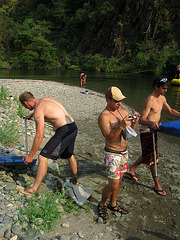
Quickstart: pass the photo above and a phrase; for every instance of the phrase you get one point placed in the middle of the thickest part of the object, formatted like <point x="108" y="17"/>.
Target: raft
<point x="175" y="82"/>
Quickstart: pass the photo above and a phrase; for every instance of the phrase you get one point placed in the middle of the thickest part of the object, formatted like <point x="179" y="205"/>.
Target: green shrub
<point x="44" y="210"/>
<point x="8" y="132"/>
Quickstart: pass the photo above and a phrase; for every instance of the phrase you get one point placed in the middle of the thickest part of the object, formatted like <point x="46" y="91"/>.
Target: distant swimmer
<point x="83" y="77"/>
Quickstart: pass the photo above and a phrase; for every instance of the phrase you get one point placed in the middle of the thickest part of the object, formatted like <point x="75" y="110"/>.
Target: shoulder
<point x="105" y="114"/>
<point x="149" y="100"/>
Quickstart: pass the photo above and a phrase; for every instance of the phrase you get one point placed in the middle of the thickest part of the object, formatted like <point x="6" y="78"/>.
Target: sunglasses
<point x="163" y="80"/>
<point x="116" y="101"/>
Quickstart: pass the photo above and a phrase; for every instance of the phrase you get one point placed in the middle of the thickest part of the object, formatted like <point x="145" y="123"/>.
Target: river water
<point x="136" y="87"/>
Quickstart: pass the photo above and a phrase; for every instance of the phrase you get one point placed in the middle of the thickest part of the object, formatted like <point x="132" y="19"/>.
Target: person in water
<point x="83" y="77"/>
<point x="112" y="121"/>
<point x="47" y="109"/>
<point x="151" y="114"/>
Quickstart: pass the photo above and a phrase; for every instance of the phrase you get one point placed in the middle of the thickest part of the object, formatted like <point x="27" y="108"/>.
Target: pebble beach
<point x="150" y="216"/>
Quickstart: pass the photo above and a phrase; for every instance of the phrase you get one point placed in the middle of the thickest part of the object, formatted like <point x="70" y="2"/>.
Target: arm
<point x="170" y="111"/>
<point x="39" y="120"/>
<point x="29" y="116"/>
<point x="135" y="121"/>
<point x="143" y="120"/>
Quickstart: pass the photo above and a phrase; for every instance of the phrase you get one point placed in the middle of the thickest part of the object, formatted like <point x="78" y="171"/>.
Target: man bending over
<point x="49" y="110"/>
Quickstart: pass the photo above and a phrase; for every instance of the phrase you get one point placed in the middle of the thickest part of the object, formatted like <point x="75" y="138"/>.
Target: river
<point x="136" y="87"/>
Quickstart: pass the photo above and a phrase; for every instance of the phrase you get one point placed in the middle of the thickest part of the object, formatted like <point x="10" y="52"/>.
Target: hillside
<point x="94" y="35"/>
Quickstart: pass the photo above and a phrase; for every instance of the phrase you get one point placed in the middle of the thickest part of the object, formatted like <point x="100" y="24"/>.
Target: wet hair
<point x="26" y="96"/>
<point x="160" y="81"/>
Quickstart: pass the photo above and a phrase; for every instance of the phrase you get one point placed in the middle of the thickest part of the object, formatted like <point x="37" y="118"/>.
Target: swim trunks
<point x="147" y="147"/>
<point x="116" y="163"/>
<point x="62" y="143"/>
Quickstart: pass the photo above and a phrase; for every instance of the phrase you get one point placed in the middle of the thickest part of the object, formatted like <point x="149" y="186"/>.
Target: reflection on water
<point x="136" y="87"/>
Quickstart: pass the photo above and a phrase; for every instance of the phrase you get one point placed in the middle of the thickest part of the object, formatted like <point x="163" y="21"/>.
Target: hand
<point x="134" y="117"/>
<point x="28" y="159"/>
<point x="125" y="122"/>
<point x="155" y="126"/>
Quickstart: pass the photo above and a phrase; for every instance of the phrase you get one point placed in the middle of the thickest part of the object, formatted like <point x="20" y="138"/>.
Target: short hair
<point x="160" y="81"/>
<point x="26" y="96"/>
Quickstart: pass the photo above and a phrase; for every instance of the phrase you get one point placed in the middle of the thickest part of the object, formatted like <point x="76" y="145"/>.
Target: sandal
<point x="102" y="210"/>
<point x="117" y="208"/>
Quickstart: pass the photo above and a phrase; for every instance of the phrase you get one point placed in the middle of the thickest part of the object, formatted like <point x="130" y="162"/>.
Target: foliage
<point x="4" y="93"/>
<point x="8" y="132"/>
<point x="21" y="111"/>
<point x="92" y="35"/>
<point x="43" y="211"/>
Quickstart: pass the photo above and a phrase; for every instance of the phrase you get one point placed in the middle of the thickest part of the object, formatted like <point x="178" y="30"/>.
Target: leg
<point x="73" y="167"/>
<point x="41" y="172"/>
<point x="111" y="190"/>
<point x="157" y="187"/>
<point x="133" y="167"/>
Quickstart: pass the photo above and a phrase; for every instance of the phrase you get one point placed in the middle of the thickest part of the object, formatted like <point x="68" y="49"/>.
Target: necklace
<point x="115" y="115"/>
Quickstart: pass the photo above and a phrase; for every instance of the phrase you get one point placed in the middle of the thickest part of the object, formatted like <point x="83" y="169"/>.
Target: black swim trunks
<point x="62" y="143"/>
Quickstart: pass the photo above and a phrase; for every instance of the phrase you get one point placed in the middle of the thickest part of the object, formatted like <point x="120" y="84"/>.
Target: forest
<point x="110" y="36"/>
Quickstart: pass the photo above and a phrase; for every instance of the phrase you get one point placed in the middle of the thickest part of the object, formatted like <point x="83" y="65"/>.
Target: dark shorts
<point x="62" y="143"/>
<point x="147" y="147"/>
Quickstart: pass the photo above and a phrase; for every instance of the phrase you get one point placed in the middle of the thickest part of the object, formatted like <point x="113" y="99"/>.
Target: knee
<point x="42" y="159"/>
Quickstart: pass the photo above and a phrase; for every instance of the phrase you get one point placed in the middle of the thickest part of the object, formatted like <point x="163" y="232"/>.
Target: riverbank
<point x="150" y="216"/>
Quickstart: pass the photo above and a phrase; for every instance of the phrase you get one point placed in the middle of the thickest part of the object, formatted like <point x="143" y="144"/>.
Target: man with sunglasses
<point x="150" y="116"/>
<point x="112" y="121"/>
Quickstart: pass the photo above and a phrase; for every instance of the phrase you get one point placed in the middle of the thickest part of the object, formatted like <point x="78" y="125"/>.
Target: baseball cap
<point x="114" y="93"/>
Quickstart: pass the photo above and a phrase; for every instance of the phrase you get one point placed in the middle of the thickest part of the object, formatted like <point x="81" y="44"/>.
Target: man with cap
<point x="112" y="121"/>
<point x="150" y="116"/>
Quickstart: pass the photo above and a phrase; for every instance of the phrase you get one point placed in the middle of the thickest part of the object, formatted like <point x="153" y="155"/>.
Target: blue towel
<point x="170" y="128"/>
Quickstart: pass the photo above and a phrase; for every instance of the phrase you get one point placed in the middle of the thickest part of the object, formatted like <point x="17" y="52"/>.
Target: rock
<point x="64" y="237"/>
<point x="65" y="225"/>
<point x="100" y="220"/>
<point x="7" y="233"/>
<point x="15" y="237"/>
<point x="80" y="234"/>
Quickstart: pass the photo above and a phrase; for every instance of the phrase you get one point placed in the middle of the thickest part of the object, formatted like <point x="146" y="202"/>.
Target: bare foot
<point x="24" y="191"/>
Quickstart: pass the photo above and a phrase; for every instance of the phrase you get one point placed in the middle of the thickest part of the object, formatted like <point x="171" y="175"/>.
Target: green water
<point x="136" y="87"/>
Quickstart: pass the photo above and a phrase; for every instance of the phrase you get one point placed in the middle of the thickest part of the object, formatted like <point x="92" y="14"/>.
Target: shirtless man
<point x="178" y="72"/>
<point x="112" y="122"/>
<point x="47" y="109"/>
<point x="83" y="77"/>
<point x="150" y="116"/>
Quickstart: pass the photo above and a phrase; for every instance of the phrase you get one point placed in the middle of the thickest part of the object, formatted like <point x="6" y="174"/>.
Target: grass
<point x="9" y="128"/>
<point x="8" y="132"/>
<point x="42" y="212"/>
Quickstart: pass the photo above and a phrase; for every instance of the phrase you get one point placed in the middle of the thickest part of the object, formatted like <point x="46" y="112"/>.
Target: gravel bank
<point x="150" y="216"/>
